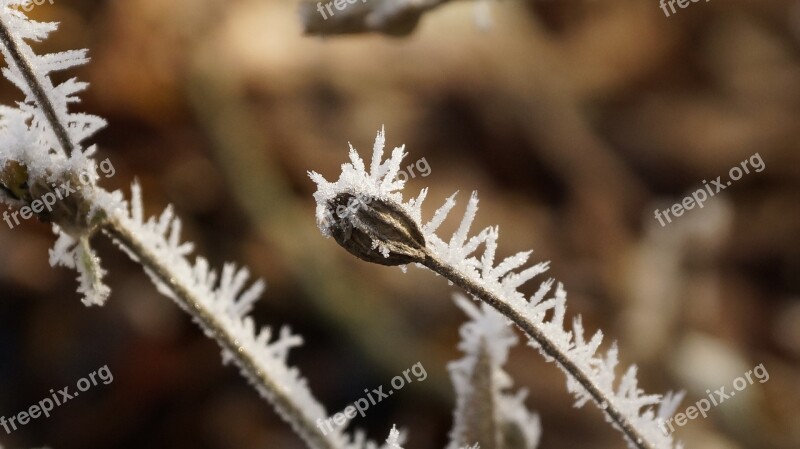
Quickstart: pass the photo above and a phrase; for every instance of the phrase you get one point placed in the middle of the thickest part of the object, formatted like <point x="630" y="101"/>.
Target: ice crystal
<point x="480" y="383"/>
<point x="27" y="135"/>
<point x="225" y="299"/>
<point x="50" y="154"/>
<point x="503" y="279"/>
<point x="45" y="141"/>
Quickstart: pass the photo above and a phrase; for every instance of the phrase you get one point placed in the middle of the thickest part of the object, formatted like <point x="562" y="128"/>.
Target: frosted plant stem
<point x="280" y="399"/>
<point x="547" y="346"/>
<point x="37" y="89"/>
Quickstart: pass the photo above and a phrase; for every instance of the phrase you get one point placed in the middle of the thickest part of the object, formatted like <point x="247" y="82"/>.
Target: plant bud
<point x="375" y="230"/>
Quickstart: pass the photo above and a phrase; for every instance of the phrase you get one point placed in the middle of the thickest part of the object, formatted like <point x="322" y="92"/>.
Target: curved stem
<point x="36" y="88"/>
<point x="547" y="345"/>
<point x="182" y="294"/>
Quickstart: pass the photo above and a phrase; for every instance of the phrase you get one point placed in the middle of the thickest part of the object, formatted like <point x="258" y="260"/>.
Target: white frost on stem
<point x="219" y="304"/>
<point x="43" y="136"/>
<point x="485" y="341"/>
<point x="42" y="142"/>
<point x="56" y="132"/>
<point x="590" y="374"/>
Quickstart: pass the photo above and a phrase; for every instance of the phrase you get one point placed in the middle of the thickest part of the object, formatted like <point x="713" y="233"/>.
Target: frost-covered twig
<point x="386" y="230"/>
<point x="22" y="61"/>
<point x="220" y="307"/>
<point x="485" y="414"/>
<point x="40" y="146"/>
<point x="220" y="304"/>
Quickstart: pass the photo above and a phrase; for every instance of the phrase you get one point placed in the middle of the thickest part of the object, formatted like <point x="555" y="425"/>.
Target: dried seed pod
<point x="375" y="230"/>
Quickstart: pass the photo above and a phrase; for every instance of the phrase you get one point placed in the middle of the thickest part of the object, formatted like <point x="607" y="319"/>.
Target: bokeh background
<point x="574" y="119"/>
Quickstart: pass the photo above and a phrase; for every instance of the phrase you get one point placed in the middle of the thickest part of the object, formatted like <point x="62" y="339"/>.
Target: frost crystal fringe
<point x="220" y="304"/>
<point x="40" y="144"/>
<point x="45" y="138"/>
<point x="381" y="216"/>
<point x="479" y="382"/>
<point x="57" y="132"/>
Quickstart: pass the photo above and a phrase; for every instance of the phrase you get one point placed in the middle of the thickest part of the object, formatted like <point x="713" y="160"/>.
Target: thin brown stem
<point x="536" y="334"/>
<point x="39" y="94"/>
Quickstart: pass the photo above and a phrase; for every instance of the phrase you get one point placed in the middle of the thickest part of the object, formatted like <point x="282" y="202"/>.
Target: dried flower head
<point x="364" y="212"/>
<point x="375" y="230"/>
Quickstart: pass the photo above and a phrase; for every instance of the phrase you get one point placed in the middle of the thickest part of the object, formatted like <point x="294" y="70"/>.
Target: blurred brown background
<point x="573" y="119"/>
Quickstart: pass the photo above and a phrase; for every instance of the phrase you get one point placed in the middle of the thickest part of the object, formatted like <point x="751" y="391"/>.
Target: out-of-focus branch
<point x="391" y="17"/>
